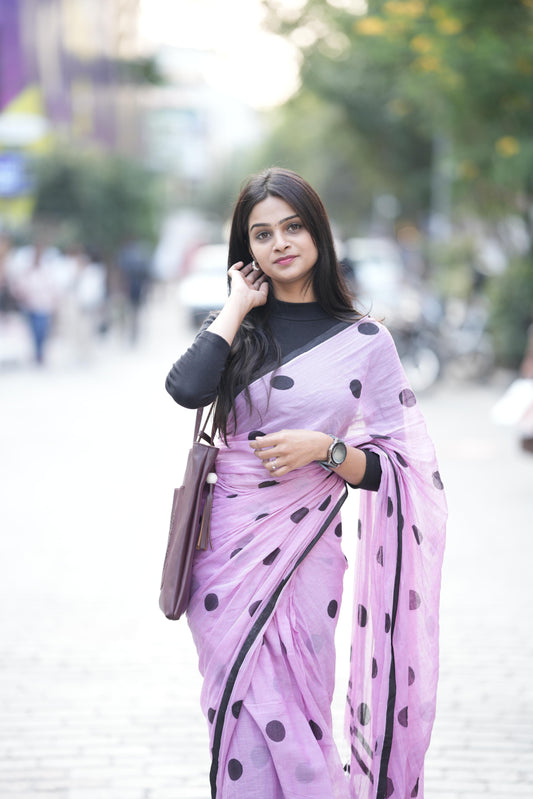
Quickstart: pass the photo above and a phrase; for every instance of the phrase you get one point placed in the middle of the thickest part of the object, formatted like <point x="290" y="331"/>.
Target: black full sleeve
<point x="194" y="379"/>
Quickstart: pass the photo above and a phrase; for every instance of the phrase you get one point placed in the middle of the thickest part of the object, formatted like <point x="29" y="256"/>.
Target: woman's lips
<point x="287" y="259"/>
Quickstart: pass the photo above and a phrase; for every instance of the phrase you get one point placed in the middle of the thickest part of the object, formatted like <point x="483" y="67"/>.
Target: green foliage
<point x="95" y="200"/>
<point x="511" y="296"/>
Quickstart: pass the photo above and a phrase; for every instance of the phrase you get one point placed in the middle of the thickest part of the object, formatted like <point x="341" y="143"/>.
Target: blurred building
<point x="62" y="80"/>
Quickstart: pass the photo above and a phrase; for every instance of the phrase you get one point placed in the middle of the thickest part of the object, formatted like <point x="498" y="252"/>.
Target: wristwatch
<point x="336" y="453"/>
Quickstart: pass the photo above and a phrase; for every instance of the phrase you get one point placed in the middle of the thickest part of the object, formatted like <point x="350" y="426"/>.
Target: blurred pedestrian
<point x="134" y="262"/>
<point x="311" y="397"/>
<point x="37" y="286"/>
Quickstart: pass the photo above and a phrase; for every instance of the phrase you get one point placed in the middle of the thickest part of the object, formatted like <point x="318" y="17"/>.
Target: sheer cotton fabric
<point x="265" y="599"/>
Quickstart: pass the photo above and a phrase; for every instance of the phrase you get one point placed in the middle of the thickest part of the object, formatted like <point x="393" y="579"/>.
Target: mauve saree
<point x="266" y="597"/>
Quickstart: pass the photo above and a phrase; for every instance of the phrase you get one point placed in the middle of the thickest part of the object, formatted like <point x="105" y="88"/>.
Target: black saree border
<point x="252" y="636"/>
<point x="391" y="699"/>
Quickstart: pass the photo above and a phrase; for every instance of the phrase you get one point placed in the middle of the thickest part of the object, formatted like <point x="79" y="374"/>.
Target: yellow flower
<point x="407" y="8"/>
<point x="449" y="25"/>
<point x="370" y="26"/>
<point x="421" y="44"/>
<point x="507" y="146"/>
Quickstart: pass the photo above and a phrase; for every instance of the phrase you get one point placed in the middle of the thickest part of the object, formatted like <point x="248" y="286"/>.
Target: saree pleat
<point x="266" y="597"/>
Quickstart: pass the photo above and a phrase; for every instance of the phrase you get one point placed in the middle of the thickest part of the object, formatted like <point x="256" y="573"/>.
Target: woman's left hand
<point x="287" y="450"/>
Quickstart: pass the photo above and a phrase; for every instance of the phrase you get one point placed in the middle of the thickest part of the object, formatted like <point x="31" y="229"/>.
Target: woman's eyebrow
<point x="281" y="221"/>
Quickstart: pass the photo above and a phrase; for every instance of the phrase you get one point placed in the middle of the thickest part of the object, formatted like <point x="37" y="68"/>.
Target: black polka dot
<point x="235" y="552"/>
<point x="325" y="504"/>
<point x="410" y="676"/>
<point x="387" y="623"/>
<point x="338" y="530"/>
<point x="437" y="482"/>
<point x="356" y="387"/>
<point x="269" y="560"/>
<point x="275" y="731"/>
<point x="261" y="516"/>
<point x="379" y="435"/>
<point x="231" y="496"/>
<point x="268" y="483"/>
<point x="402" y="717"/>
<point x="368" y="329"/>
<point x="282" y="382"/>
<point x="407" y="398"/>
<point x="332" y="608"/>
<point x="211" y="602"/>
<point x="253" y="434"/>
<point x="304" y="772"/>
<point x="236" y="708"/>
<point x="390" y="507"/>
<point x="363" y="714"/>
<point x="211" y="713"/>
<point x="359" y="529"/>
<point x="379" y="556"/>
<point x="401" y="460"/>
<point x="253" y="607"/>
<point x="374" y="668"/>
<point x="414" y="600"/>
<point x="234" y="769"/>
<point x="299" y="514"/>
<point x="414" y="792"/>
<point x="389" y="789"/>
<point x="317" y="732"/>
<point x="418" y="535"/>
<point x="362" y="616"/>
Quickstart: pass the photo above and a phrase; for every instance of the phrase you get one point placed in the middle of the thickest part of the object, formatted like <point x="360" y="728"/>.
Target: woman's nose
<point x="279" y="240"/>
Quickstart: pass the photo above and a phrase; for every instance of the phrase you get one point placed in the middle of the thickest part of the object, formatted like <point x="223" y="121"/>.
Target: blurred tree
<point x="95" y="200"/>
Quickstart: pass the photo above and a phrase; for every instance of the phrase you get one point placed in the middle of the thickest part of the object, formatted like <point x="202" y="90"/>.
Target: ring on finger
<point x="274" y="467"/>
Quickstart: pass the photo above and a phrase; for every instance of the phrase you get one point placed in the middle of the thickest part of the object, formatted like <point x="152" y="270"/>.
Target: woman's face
<point x="283" y="248"/>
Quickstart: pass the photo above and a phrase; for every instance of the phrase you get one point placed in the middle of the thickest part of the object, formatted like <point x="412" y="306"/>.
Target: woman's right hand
<point x="249" y="289"/>
<point x="248" y="285"/>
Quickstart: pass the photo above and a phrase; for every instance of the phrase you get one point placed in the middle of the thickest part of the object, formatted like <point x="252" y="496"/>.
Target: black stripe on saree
<point x="252" y="637"/>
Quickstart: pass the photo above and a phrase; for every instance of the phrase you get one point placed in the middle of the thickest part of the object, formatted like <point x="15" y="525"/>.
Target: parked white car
<point x="205" y="287"/>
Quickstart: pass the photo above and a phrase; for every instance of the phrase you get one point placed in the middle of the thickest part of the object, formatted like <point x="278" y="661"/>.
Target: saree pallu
<point x="265" y="598"/>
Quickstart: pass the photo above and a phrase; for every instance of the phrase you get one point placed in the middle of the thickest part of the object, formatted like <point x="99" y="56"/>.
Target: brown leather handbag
<point x="189" y="521"/>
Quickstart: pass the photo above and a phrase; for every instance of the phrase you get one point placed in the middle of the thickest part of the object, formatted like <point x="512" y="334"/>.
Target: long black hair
<point x="254" y="344"/>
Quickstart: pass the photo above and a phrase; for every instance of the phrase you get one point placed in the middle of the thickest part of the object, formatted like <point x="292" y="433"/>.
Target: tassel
<point x="204" y="538"/>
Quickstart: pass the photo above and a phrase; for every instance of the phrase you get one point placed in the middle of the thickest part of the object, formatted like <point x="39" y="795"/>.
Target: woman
<point x="310" y="397"/>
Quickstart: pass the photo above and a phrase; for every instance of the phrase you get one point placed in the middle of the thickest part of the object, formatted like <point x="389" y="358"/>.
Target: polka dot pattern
<point x="211" y="602"/>
<point x="235" y="769"/>
<point x="356" y="387"/>
<point x="269" y="560"/>
<point x="417" y="534"/>
<point x="387" y="622"/>
<point x="410" y="676"/>
<point x="332" y="608"/>
<point x="261" y="516"/>
<point x="282" y="382"/>
<point x="407" y="398"/>
<point x="338" y="530"/>
<point x="401" y="460"/>
<point x="374" y="668"/>
<point x="414" y="600"/>
<point x="363" y="714"/>
<point x="368" y="329"/>
<point x="211" y="713"/>
<point x="275" y="731"/>
<point x="389" y="789"/>
<point x="325" y="504"/>
<point x="379" y="556"/>
<point x="437" y="482"/>
<point x="236" y="708"/>
<point x="403" y="717"/>
<point x="299" y="514"/>
<point x="268" y="483"/>
<point x="253" y="607"/>
<point x="390" y="507"/>
<point x="235" y="552"/>
<point x="253" y="434"/>
<point x="414" y="792"/>
<point x="362" y="616"/>
<point x="359" y="529"/>
<point x="317" y="732"/>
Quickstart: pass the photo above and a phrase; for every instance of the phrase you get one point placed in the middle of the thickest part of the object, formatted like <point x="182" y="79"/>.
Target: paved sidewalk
<point x="99" y="694"/>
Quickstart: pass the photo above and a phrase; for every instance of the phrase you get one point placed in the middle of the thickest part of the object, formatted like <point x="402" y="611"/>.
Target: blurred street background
<point x="126" y="129"/>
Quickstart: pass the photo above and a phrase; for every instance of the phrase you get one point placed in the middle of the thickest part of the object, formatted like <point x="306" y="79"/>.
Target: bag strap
<point x="199" y="428"/>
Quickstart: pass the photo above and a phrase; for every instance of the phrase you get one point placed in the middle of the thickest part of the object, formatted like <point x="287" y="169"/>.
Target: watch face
<point x="338" y="453"/>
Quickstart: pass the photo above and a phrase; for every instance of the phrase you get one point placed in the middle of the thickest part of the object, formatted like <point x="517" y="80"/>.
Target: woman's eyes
<point x="293" y="227"/>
